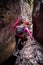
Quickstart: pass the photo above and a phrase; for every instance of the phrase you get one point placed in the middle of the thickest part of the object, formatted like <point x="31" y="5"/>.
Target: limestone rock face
<point x="38" y="20"/>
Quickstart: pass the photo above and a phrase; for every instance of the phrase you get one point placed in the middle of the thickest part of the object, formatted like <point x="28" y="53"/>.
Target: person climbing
<point x="19" y="33"/>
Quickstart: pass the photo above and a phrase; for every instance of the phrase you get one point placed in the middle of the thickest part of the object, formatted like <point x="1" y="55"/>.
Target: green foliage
<point x="31" y="3"/>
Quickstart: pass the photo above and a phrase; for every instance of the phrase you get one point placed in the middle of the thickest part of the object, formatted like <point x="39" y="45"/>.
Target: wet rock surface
<point x="31" y="54"/>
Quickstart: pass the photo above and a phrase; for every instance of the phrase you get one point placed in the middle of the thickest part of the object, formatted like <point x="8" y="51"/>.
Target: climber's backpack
<point x="20" y="30"/>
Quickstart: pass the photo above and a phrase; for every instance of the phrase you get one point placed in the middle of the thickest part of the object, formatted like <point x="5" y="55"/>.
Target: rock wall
<point x="38" y="20"/>
<point x="9" y="12"/>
